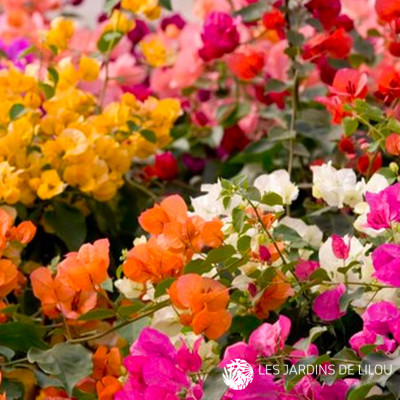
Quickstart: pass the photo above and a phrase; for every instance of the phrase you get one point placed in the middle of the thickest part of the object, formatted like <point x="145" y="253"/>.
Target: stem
<point x="119" y="326"/>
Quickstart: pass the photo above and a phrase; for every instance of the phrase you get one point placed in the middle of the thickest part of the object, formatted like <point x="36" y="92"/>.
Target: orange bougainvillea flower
<point x="2" y="395"/>
<point x="106" y="362"/>
<point x="56" y="295"/>
<point x="8" y="277"/>
<point x="274" y="296"/>
<point x="205" y="301"/>
<point x="151" y="262"/>
<point x="107" y="387"/>
<point x="87" y="268"/>
<point x="3" y="317"/>
<point x="22" y="233"/>
<point x="177" y="230"/>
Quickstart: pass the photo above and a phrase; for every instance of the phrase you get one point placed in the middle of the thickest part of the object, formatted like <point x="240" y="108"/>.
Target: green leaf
<point x="110" y="4"/>
<point x="382" y="360"/>
<point x="214" y="387"/>
<point x="97" y="314"/>
<point x="295" y="38"/>
<point x="198" y="267"/>
<point x="162" y="287"/>
<point x="67" y="362"/>
<point x="21" y="336"/>
<point x="350" y="125"/>
<point x="243" y="244"/>
<point x="166" y="4"/>
<point x="275" y="85"/>
<point x="16" y="111"/>
<point x="54" y="76"/>
<point x="150" y="136"/>
<point x="348" y="297"/>
<point x="252" y="12"/>
<point x="126" y="311"/>
<point x="238" y="219"/>
<point x="278" y="133"/>
<point x="68" y="223"/>
<point x="229" y="114"/>
<point x="220" y="254"/>
<point x="132" y="126"/>
<point x="7" y="352"/>
<point x="109" y="40"/>
<point x="272" y="199"/>
<point x="359" y="392"/>
<point x="48" y="90"/>
<point x="315" y="332"/>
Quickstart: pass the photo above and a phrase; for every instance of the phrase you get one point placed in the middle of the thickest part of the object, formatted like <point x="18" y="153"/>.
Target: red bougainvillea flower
<point x="164" y="168"/>
<point x="234" y="139"/>
<point x="326" y="11"/>
<point x="350" y="84"/>
<point x="205" y="301"/>
<point x="220" y="36"/>
<point x="246" y="65"/>
<point x="388" y="85"/>
<point x="337" y="44"/>
<point x="368" y="164"/>
<point x="275" y="21"/>
<point x="392" y="144"/>
<point x="335" y="107"/>
<point x="269" y="98"/>
<point x="346" y="145"/>
<point x="387" y="10"/>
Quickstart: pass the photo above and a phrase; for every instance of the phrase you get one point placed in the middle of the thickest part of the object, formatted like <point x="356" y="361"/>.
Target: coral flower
<point x="392" y="144"/>
<point x="350" y="84"/>
<point x="387" y="10"/>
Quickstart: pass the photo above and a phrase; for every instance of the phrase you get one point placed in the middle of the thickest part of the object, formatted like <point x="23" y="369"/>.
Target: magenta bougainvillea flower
<point x="384" y="207"/>
<point x="326" y="305"/>
<point x="157" y="370"/>
<point x="386" y="261"/>
<point x="220" y="36"/>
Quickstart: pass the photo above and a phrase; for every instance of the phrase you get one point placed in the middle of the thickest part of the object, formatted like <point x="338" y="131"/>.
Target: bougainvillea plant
<point x="182" y="194"/>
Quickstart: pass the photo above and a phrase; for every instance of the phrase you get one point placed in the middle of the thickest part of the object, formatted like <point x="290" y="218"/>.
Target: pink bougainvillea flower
<point x="327" y="306"/>
<point x="305" y="268"/>
<point x="340" y="249"/>
<point x="366" y="337"/>
<point x="220" y="36"/>
<point x="268" y="338"/>
<point x="386" y="261"/>
<point x="380" y="317"/>
<point x="384" y="207"/>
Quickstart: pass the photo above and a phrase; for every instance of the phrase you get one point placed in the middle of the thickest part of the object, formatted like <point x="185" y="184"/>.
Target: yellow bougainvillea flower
<point x="9" y="183"/>
<point x="48" y="185"/>
<point x="149" y="8"/>
<point x="89" y="69"/>
<point x="61" y="31"/>
<point x="119" y="22"/>
<point x="154" y="51"/>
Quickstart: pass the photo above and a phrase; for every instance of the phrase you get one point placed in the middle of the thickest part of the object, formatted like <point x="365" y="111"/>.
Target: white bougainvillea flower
<point x="336" y="187"/>
<point x="278" y="182"/>
<point x="309" y="233"/>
